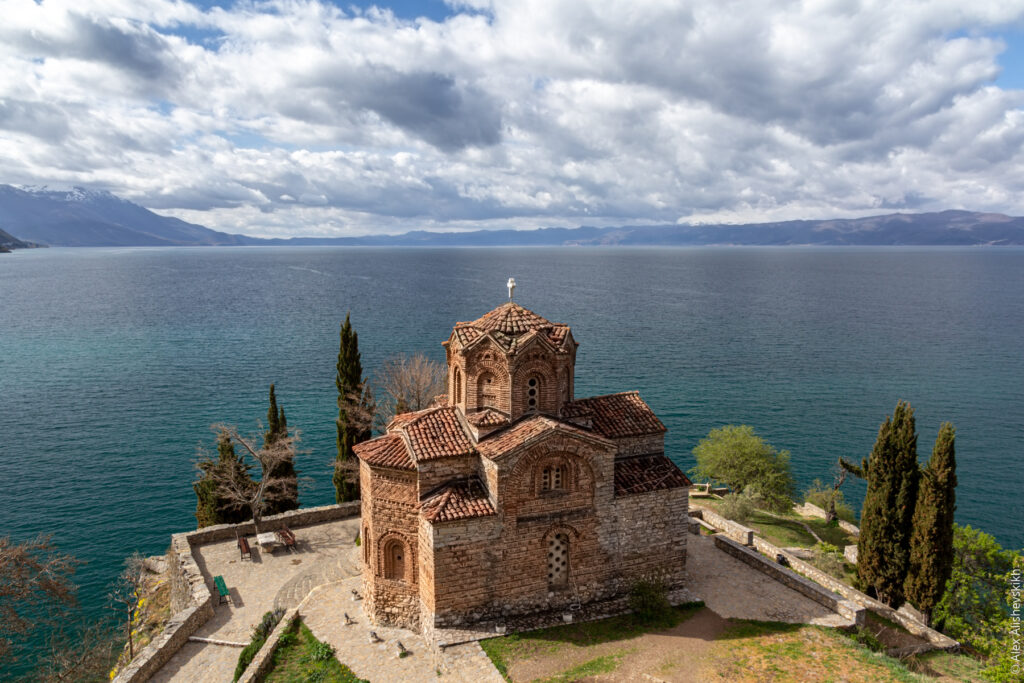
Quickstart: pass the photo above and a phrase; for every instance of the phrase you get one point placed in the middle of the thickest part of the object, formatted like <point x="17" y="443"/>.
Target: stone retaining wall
<point x="812" y="510"/>
<point x="192" y="603"/>
<point x="292" y="518"/>
<point x="937" y="640"/>
<point x="191" y="592"/>
<point x="737" y="532"/>
<point x="820" y="595"/>
<point x="260" y="664"/>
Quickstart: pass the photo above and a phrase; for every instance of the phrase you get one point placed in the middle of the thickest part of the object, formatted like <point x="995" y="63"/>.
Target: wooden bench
<point x="243" y="548"/>
<point x="287" y="538"/>
<point x="222" y="589"/>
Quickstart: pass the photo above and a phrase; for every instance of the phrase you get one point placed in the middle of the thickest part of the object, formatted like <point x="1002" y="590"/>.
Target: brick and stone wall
<point x="390" y="519"/>
<point x="651" y="530"/>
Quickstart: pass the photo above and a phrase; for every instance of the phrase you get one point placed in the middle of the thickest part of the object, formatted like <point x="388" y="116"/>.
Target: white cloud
<point x="297" y="117"/>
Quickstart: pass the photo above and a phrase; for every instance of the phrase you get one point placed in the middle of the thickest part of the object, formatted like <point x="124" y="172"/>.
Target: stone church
<point x="512" y="497"/>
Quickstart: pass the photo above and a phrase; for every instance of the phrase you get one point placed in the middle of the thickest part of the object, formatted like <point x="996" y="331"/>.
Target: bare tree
<point x="838" y="481"/>
<point x="83" y="654"/>
<point x="257" y="495"/>
<point x="126" y="593"/>
<point x="408" y="383"/>
<point x="35" y="589"/>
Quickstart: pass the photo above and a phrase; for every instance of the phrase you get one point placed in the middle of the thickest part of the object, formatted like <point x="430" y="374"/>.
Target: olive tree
<point x="737" y="457"/>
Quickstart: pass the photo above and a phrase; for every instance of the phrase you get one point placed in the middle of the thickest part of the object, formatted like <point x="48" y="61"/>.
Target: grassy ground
<point x="301" y="658"/>
<point x="555" y="641"/>
<point x="740" y="651"/>
<point x="957" y="667"/>
<point x="786" y="530"/>
<point x="757" y="651"/>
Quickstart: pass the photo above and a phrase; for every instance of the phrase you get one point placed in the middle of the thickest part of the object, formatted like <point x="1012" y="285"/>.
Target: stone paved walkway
<point x="323" y="612"/>
<point x="325" y="552"/>
<point x="735" y="590"/>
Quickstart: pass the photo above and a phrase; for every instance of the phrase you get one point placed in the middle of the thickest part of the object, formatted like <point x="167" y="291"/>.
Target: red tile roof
<point x="385" y="451"/>
<point x="616" y="415"/>
<point x="488" y="417"/>
<point x="522" y="432"/>
<point x="437" y="433"/>
<point x="457" y="500"/>
<point x="647" y="473"/>
<point x="508" y="323"/>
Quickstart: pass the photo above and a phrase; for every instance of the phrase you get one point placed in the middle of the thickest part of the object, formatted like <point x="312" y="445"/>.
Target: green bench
<point x="222" y="589"/>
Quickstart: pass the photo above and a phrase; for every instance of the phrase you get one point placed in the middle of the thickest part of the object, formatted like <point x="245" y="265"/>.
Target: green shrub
<point x="829" y="559"/>
<point x="649" y="601"/>
<point x="248" y="653"/>
<point x="321" y="652"/>
<point x="260" y="633"/>
<point x="867" y="639"/>
<point x="739" y="507"/>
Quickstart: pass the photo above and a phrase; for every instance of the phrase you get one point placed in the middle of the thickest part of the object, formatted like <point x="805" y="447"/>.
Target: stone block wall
<point x="737" y="532"/>
<point x="390" y="514"/>
<point x="810" y="589"/>
<point x="433" y="473"/>
<point x="650" y="532"/>
<point x="938" y="640"/>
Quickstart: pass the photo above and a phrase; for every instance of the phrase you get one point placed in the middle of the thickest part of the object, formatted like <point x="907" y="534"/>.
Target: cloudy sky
<point x="303" y="117"/>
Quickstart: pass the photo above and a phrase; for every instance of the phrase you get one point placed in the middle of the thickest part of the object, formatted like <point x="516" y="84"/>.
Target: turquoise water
<point x="114" y="362"/>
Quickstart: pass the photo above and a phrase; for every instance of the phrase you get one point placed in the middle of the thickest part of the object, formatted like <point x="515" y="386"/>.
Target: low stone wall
<point x="851" y="529"/>
<point x="805" y="587"/>
<point x="812" y="510"/>
<point x="938" y="640"/>
<point x="292" y="518"/>
<point x="260" y="664"/>
<point x="191" y="596"/>
<point x="737" y="532"/>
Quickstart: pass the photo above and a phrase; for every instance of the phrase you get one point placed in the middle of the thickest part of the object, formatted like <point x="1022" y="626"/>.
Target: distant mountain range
<point x="84" y="218"/>
<point x="9" y="242"/>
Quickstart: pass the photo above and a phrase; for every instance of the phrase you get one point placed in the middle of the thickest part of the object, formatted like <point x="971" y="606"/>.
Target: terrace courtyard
<point x="321" y="575"/>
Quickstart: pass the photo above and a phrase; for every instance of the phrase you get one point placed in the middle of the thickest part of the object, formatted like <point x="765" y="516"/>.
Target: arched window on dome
<point x="486" y="391"/>
<point x="534" y="387"/>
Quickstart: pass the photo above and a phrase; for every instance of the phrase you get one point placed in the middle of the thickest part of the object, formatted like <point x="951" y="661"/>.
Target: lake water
<point x="114" y="362"/>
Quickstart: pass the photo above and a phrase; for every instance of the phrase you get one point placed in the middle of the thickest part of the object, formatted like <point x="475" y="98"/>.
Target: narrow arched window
<point x="457" y="381"/>
<point x="486" y="391"/>
<point x="365" y="540"/>
<point x="532" y="394"/>
<point x="394" y="560"/>
<point x="558" y="560"/>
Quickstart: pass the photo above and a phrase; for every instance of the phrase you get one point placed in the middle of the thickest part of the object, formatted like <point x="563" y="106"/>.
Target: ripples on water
<point x="114" y="362"/>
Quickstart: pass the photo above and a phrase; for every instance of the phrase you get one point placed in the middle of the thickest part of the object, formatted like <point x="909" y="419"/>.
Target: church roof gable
<point x="527" y="432"/>
<point x="616" y="416"/>
<point x="457" y="500"/>
<point x="437" y="433"/>
<point x="386" y="451"/>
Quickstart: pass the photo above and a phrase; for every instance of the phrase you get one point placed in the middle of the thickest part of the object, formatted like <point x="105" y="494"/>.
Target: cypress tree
<point x="355" y="406"/>
<point x="273" y="420"/>
<point x="931" y="543"/>
<point x="288" y="493"/>
<point x="211" y="506"/>
<point x="883" y="550"/>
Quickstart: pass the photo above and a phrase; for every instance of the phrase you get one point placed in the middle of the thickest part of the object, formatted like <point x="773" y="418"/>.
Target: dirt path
<point x="673" y="655"/>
